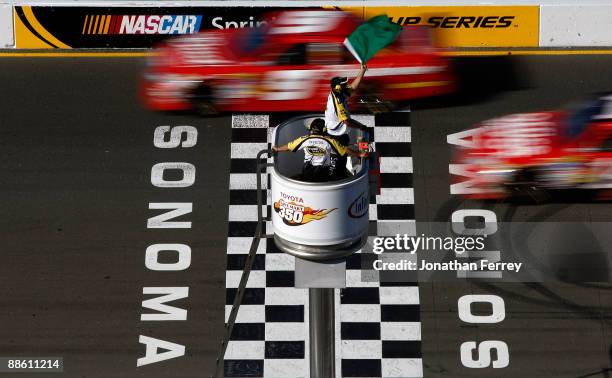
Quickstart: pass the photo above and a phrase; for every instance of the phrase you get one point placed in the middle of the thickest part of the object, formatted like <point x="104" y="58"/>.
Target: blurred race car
<point x="529" y="155"/>
<point x="285" y="64"/>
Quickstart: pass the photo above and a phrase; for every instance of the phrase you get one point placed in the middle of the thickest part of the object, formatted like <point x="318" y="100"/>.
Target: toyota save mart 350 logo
<point x="141" y="24"/>
<point x="294" y="213"/>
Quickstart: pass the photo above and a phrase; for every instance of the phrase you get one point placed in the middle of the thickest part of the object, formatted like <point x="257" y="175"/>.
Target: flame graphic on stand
<point x="310" y="214"/>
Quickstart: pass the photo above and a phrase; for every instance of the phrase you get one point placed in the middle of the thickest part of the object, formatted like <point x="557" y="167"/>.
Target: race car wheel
<point x="203" y="101"/>
<point x="526" y="188"/>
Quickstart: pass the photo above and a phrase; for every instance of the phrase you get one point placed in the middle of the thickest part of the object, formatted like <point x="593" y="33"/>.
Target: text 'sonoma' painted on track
<point x="156" y="298"/>
<point x="477" y="354"/>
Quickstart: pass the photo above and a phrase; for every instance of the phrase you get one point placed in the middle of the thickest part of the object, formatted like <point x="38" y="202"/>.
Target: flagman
<point x="337" y="114"/>
<point x="364" y="42"/>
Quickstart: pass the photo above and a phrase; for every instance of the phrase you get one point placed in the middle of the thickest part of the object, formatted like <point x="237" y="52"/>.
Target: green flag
<point x="372" y="36"/>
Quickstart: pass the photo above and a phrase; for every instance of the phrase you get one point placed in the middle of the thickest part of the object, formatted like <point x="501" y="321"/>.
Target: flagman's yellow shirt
<point x="317" y="148"/>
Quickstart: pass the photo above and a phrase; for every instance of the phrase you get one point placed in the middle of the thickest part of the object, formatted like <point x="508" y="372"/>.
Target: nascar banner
<point x="122" y="27"/>
<point x="141" y="27"/>
<point x="470" y="26"/>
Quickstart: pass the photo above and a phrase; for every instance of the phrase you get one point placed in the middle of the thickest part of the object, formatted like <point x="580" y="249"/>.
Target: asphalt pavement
<point x="77" y="152"/>
<point x="551" y="329"/>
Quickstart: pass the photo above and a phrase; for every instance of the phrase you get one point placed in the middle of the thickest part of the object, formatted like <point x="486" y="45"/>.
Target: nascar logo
<point x="141" y="24"/>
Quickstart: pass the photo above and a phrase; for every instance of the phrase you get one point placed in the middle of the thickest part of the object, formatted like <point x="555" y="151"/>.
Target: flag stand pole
<point x="322" y="342"/>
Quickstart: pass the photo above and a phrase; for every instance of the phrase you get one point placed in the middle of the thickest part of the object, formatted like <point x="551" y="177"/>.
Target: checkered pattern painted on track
<point x="378" y="330"/>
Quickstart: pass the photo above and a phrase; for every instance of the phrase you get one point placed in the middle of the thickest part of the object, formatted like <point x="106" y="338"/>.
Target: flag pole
<point x="322" y="338"/>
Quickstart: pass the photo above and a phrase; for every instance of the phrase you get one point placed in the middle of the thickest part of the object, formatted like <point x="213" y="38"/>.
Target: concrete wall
<point x="7" y="38"/>
<point x="575" y="25"/>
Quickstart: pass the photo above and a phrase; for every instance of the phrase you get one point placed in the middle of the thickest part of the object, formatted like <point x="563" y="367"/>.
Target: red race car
<point x="530" y="155"/>
<point x="286" y="64"/>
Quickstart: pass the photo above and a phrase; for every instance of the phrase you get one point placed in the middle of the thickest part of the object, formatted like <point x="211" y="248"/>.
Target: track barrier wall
<point x="576" y="25"/>
<point x="7" y="37"/>
<point x="117" y="24"/>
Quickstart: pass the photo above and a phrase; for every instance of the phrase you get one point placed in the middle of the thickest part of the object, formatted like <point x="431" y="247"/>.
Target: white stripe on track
<point x="247" y="313"/>
<point x="285" y="296"/>
<point x="393" y="134"/>
<point x="286" y="367"/>
<point x="245" y="350"/>
<point x="246" y="150"/>
<point x="269" y="228"/>
<point x="360" y="313"/>
<point x="355" y="278"/>
<point x="402" y="367"/>
<point x="241" y="245"/>
<point x="402" y="331"/>
<point x="246" y="181"/>
<point x="257" y="278"/>
<point x="244" y="213"/>
<point x="249" y="121"/>
<point x="373" y="212"/>
<point x="365" y="119"/>
<point x="395" y="164"/>
<point x="399" y="294"/>
<point x="361" y="349"/>
<point x="280" y="261"/>
<point x="285" y="331"/>
<point x="395" y="196"/>
<point x="394" y="227"/>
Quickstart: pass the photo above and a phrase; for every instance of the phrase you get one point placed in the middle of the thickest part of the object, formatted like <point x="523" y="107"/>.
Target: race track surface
<point x="78" y="150"/>
<point x="551" y="329"/>
<point x="76" y="186"/>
